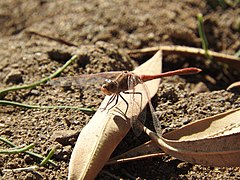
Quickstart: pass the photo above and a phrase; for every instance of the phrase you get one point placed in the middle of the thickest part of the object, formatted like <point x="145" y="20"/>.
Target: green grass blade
<point x="12" y="103"/>
<point x="27" y="152"/>
<point x="34" y="84"/>
<point x="203" y="35"/>
<point x="50" y="154"/>
<point x="17" y="150"/>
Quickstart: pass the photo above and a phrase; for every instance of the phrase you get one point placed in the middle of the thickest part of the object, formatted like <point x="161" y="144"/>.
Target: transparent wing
<point x="156" y="122"/>
<point x="83" y="80"/>
<point x="136" y="121"/>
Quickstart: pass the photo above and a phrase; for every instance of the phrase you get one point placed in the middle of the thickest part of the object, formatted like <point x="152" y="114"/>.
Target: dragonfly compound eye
<point x="108" y="87"/>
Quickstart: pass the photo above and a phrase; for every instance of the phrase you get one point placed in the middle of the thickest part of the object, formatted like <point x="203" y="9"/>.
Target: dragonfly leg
<point x="134" y="93"/>
<point x="110" y="101"/>
<point x="125" y="102"/>
<point x="115" y="97"/>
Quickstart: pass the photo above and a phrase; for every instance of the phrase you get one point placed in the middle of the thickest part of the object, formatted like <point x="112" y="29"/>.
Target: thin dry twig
<point x="110" y="174"/>
<point x="186" y="51"/>
<point x="123" y="160"/>
<point x="62" y="41"/>
<point x="28" y="169"/>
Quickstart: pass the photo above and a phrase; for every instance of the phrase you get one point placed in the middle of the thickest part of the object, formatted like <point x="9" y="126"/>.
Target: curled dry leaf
<point x="213" y="141"/>
<point x="104" y="132"/>
<point x="234" y="85"/>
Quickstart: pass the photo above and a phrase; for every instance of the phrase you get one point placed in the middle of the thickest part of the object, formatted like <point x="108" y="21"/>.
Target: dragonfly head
<point x="109" y="87"/>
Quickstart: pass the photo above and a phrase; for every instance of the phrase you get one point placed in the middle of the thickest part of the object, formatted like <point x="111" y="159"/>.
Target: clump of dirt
<point x="99" y="32"/>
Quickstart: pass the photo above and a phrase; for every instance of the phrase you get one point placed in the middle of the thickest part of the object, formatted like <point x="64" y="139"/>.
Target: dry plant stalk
<point x="188" y="51"/>
<point x="105" y="131"/>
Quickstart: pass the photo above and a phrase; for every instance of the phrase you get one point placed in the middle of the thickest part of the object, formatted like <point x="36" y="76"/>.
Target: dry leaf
<point x="146" y="150"/>
<point x="213" y="141"/>
<point x="234" y="85"/>
<point x="104" y="132"/>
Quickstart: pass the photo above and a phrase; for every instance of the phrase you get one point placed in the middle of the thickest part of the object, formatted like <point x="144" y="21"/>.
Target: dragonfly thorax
<point x="123" y="82"/>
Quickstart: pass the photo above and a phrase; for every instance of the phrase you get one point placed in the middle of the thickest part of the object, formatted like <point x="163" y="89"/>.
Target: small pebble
<point x="63" y="136"/>
<point x="186" y="120"/>
<point x="199" y="88"/>
<point x="183" y="165"/>
<point x="35" y="92"/>
<point x="29" y="176"/>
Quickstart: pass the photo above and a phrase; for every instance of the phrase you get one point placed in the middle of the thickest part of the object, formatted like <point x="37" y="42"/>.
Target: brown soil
<point x="100" y="32"/>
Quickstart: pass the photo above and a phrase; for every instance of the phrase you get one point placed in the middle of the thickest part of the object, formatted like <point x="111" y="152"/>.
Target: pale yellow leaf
<point x="104" y="132"/>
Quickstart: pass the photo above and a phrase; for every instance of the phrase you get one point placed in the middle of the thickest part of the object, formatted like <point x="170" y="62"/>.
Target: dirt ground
<point x="100" y="32"/>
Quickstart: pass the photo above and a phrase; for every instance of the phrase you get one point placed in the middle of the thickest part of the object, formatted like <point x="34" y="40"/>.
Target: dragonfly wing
<point x="156" y="122"/>
<point x="68" y="81"/>
<point x="136" y="121"/>
<point x="83" y="80"/>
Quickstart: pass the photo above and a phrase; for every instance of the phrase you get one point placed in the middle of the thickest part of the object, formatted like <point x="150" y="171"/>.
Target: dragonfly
<point x="117" y="82"/>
